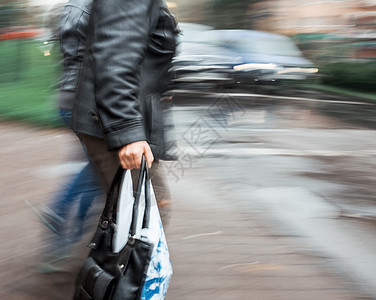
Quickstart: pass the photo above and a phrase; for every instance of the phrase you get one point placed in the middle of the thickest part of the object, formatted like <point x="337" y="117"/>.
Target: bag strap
<point x="143" y="181"/>
<point x="109" y="213"/>
<point x="145" y="223"/>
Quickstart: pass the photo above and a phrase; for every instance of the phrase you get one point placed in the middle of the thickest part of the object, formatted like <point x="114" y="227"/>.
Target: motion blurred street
<point x="273" y="198"/>
<point x="273" y="193"/>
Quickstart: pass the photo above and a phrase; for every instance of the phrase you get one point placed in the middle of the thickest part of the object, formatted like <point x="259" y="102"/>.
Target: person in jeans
<point x="84" y="186"/>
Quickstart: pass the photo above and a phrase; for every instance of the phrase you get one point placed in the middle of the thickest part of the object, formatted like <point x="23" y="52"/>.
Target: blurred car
<point x="193" y="69"/>
<point x="265" y="57"/>
<point x="199" y="64"/>
<point x="227" y="57"/>
<point x="188" y="31"/>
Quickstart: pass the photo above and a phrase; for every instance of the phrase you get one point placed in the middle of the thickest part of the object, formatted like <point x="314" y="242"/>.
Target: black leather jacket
<point x="73" y="33"/>
<point x="130" y="48"/>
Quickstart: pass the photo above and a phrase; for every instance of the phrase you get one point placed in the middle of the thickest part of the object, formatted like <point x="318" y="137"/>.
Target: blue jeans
<point x="83" y="187"/>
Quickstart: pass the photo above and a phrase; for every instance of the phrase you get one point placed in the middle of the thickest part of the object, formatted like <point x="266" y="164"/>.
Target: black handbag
<point x="107" y="275"/>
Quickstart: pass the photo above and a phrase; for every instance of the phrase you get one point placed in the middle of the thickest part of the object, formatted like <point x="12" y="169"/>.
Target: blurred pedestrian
<point x="118" y="112"/>
<point x="84" y="187"/>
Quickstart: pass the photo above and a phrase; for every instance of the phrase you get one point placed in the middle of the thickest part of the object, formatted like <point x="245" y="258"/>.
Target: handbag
<point x="109" y="275"/>
<point x="160" y="271"/>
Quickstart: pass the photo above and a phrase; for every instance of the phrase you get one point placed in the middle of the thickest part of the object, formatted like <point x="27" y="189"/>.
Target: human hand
<point x="131" y="154"/>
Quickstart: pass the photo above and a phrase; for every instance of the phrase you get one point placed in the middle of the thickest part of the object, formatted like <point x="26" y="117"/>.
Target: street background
<point x="273" y="194"/>
<point x="272" y="199"/>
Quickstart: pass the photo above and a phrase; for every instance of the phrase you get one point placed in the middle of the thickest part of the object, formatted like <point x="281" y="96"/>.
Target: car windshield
<point x="190" y="30"/>
<point x="280" y="46"/>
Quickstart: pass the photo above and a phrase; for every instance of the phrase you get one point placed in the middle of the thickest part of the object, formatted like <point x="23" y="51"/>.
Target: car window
<point x="280" y="46"/>
<point x="189" y="31"/>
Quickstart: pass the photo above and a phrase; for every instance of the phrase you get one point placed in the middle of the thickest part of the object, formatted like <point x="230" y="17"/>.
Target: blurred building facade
<point x="295" y="16"/>
<point x="332" y="29"/>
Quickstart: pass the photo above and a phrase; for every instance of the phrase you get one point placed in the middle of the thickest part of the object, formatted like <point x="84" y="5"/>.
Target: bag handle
<point x="144" y="179"/>
<point x="109" y="211"/>
<point x="112" y="196"/>
<point x="107" y="214"/>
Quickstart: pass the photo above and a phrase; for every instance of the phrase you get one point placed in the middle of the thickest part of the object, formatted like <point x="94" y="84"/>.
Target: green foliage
<point x="354" y="75"/>
<point x="28" y="82"/>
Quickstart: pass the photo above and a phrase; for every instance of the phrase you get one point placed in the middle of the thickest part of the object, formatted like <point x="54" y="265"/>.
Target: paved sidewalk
<point x="225" y="252"/>
<point x="218" y="250"/>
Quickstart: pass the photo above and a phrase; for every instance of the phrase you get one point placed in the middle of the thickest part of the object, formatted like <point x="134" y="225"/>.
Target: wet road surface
<point x="309" y="164"/>
<point x="268" y="190"/>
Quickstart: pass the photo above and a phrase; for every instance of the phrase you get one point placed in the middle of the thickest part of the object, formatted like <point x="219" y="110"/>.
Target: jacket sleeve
<point x="121" y="30"/>
<point x="73" y="31"/>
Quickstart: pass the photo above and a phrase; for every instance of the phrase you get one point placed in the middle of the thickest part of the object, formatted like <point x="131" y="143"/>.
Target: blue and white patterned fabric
<point x="159" y="272"/>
